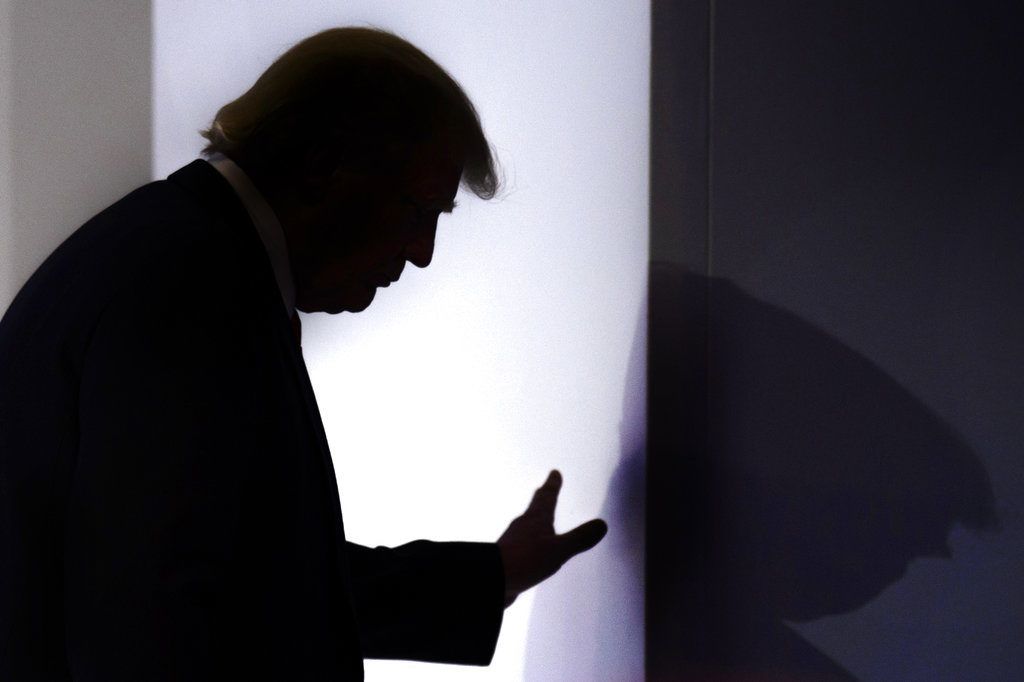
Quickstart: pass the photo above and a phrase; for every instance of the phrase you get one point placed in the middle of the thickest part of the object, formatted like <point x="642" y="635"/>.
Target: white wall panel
<point x="449" y="399"/>
<point x="74" y="121"/>
<point x="7" y="278"/>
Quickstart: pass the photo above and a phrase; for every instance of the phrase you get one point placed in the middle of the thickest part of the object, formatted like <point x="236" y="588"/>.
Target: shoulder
<point x="162" y="254"/>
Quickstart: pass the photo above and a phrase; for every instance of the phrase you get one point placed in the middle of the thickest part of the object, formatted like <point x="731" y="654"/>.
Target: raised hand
<point x="531" y="550"/>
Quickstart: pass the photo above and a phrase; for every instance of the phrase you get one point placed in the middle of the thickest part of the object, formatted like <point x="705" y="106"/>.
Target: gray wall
<point x="74" y="120"/>
<point x="837" y="344"/>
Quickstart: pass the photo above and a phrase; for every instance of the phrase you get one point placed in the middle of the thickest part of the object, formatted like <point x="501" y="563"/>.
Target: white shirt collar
<point x="267" y="225"/>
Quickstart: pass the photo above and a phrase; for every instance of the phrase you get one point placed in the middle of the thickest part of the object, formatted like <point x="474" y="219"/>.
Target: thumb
<point x="582" y="538"/>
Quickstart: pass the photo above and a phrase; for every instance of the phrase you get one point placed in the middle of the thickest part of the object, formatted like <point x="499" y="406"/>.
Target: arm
<point x="157" y="493"/>
<point x="443" y="602"/>
<point x="428" y="601"/>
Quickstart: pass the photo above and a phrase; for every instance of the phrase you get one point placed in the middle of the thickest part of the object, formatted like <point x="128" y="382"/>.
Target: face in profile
<point x="362" y="233"/>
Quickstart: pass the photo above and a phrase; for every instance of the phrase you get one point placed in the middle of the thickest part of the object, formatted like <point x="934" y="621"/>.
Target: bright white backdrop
<point x="448" y="400"/>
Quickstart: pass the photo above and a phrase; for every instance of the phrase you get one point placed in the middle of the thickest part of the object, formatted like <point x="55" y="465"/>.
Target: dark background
<point x="836" y="342"/>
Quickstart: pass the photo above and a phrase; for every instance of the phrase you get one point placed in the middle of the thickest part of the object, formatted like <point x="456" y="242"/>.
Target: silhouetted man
<point x="168" y="507"/>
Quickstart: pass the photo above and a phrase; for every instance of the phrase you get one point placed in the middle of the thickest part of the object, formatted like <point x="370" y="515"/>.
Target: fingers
<point x="582" y="538"/>
<point x="546" y="497"/>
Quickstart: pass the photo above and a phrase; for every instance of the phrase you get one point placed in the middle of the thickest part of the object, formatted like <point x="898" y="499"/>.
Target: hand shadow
<point x="587" y="623"/>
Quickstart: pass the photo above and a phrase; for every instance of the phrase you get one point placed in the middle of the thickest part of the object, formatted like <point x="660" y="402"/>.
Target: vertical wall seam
<point x="709" y="224"/>
<point x="710" y="142"/>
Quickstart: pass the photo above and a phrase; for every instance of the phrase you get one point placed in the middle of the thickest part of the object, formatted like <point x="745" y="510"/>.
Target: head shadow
<point x="790" y="478"/>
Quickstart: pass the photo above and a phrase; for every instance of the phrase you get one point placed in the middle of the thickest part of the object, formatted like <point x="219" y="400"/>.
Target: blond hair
<point x="364" y="94"/>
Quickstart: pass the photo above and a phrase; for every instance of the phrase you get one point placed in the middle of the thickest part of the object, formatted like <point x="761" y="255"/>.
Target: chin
<point x="352" y="302"/>
<point x="353" y="308"/>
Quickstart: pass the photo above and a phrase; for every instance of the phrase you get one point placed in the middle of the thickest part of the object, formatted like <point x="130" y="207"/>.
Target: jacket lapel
<point x="216" y="194"/>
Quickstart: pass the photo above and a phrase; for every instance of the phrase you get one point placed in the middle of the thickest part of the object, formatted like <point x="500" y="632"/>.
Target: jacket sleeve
<point x="440" y="602"/>
<point x="155" y="502"/>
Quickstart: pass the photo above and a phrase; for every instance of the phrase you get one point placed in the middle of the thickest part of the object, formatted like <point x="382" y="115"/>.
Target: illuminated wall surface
<point x="450" y="398"/>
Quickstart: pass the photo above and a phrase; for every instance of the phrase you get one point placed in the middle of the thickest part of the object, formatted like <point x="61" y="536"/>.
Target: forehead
<point x="435" y="169"/>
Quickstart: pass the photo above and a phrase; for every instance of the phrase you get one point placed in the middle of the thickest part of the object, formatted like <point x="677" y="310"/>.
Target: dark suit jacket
<point x="168" y="506"/>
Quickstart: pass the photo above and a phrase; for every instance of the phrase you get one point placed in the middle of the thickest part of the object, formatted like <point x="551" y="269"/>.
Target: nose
<point x="420" y="251"/>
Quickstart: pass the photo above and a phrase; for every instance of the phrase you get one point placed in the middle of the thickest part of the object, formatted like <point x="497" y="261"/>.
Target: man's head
<point x="358" y="141"/>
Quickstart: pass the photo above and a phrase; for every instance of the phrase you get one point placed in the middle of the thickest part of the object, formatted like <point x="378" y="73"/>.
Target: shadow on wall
<point x="790" y="479"/>
<point x="801" y="485"/>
